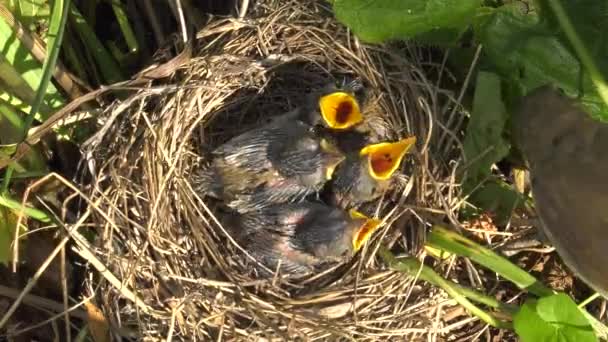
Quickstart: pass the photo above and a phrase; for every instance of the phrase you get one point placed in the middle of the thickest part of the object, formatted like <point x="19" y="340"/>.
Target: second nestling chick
<point x="300" y="236"/>
<point x="283" y="161"/>
<point x="364" y="176"/>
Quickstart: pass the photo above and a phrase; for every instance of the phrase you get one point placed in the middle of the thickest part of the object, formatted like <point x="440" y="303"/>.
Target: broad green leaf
<point x="484" y="146"/>
<point x="432" y="20"/>
<point x="590" y="20"/>
<point x="528" y="54"/>
<point x="552" y="318"/>
<point x="483" y="143"/>
<point x="57" y="23"/>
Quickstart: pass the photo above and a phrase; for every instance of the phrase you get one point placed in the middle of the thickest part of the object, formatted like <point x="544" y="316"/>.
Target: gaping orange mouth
<point x="365" y="231"/>
<point x="340" y="110"/>
<point x="384" y="158"/>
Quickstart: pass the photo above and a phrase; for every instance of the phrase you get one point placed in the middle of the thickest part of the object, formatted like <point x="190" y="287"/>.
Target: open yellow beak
<point x="384" y="158"/>
<point x="365" y="231"/>
<point x="340" y="110"/>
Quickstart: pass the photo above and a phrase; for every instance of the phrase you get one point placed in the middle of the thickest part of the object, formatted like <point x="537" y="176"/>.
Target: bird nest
<point x="172" y="269"/>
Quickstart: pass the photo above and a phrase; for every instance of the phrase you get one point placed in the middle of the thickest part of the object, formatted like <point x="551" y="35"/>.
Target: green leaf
<point x="552" y="318"/>
<point x="432" y="20"/>
<point x="22" y="68"/>
<point x="30" y="13"/>
<point x="526" y="53"/>
<point x="56" y="30"/>
<point x="483" y="142"/>
<point x="34" y="213"/>
<point x="590" y="20"/>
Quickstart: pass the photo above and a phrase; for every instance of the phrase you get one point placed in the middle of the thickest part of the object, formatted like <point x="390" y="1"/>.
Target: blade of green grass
<point x="28" y="211"/>
<point x="14" y="132"/>
<point x="22" y="106"/>
<point x="58" y="19"/>
<point x="26" y="66"/>
<point x="414" y="268"/>
<point x="452" y="242"/>
<point x="125" y="27"/>
<point x="59" y="16"/>
<point x="109" y="67"/>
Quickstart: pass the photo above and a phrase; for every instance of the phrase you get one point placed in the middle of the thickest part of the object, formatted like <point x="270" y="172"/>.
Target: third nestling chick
<point x="300" y="236"/>
<point x="364" y="176"/>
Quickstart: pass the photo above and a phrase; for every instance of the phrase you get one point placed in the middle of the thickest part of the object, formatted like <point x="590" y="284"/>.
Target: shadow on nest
<point x="186" y="276"/>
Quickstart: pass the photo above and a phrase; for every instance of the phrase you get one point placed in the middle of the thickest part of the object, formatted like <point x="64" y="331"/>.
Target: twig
<point x="37" y="301"/>
<point x="243" y="8"/>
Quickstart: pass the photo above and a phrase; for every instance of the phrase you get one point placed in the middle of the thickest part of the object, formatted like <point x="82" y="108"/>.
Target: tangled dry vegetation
<point x="168" y="266"/>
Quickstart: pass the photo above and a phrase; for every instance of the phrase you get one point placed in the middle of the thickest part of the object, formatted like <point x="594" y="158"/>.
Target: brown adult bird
<point x="282" y="161"/>
<point x="364" y="176"/>
<point x="567" y="155"/>
<point x="301" y="236"/>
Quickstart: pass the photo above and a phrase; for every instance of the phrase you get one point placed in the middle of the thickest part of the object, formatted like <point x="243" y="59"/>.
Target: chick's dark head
<point x="337" y="107"/>
<point x="302" y="235"/>
<point x="328" y="232"/>
<point x="365" y="176"/>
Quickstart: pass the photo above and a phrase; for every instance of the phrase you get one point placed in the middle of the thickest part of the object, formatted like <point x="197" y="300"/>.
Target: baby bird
<point x="333" y="107"/>
<point x="278" y="162"/>
<point x="338" y="109"/>
<point x="300" y="236"/>
<point x="364" y="176"/>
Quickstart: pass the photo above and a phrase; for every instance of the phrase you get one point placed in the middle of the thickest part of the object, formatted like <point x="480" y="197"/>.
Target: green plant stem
<point x="448" y="241"/>
<point x="125" y="27"/>
<point x="59" y="17"/>
<point x="589" y="300"/>
<point x="484" y="299"/>
<point x="414" y="268"/>
<point x="28" y="211"/>
<point x="586" y="59"/>
<point x="108" y="66"/>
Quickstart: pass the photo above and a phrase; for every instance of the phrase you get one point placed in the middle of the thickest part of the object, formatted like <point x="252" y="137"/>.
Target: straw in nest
<point x="172" y="271"/>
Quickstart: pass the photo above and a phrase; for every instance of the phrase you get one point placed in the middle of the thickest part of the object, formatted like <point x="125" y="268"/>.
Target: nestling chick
<point x="339" y="110"/>
<point x="300" y="236"/>
<point x="334" y="107"/>
<point x="276" y="163"/>
<point x="364" y="176"/>
<point x="565" y="150"/>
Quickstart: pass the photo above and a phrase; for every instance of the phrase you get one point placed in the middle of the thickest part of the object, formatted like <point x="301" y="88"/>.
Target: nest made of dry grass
<point x="179" y="273"/>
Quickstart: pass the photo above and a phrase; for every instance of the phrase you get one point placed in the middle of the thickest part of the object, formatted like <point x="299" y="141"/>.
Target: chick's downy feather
<point x="283" y="161"/>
